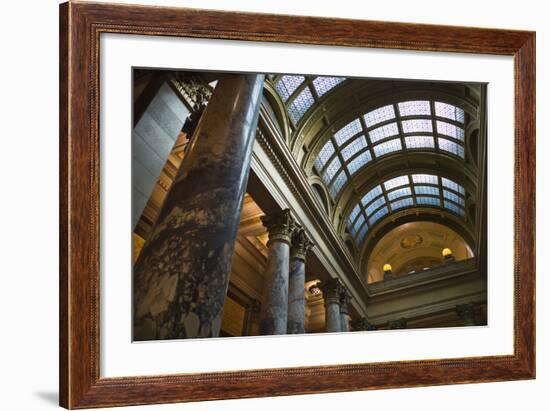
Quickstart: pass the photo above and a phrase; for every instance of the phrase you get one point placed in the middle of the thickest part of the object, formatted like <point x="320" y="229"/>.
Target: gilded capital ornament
<point x="280" y="226"/>
<point x="300" y="244"/>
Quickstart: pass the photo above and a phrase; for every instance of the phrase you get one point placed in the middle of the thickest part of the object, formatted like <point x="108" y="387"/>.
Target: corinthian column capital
<point x="300" y="244"/>
<point x="280" y="226"/>
<point x="332" y="291"/>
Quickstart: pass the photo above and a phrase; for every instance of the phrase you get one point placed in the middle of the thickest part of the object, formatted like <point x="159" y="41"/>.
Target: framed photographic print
<point x="257" y="205"/>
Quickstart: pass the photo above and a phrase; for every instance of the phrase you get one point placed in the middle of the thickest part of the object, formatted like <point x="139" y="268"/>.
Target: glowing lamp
<point x="387" y="267"/>
<point x="446" y="252"/>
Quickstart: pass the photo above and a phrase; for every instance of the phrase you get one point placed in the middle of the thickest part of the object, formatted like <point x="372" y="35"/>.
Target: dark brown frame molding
<point x="80" y="27"/>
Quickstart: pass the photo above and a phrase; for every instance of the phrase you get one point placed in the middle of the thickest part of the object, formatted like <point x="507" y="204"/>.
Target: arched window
<point x="409" y="125"/>
<point x="406" y="191"/>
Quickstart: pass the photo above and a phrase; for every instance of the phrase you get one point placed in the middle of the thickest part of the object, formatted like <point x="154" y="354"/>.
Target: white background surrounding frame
<point x="29" y="167"/>
<point x="120" y="357"/>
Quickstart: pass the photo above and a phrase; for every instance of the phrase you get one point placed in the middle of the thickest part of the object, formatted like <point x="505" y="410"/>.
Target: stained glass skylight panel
<point x="452" y="185"/>
<point x="379" y="115"/>
<point x="371" y="195"/>
<point x="414" y="108"/>
<point x="338" y="183"/>
<point x="450" y="130"/>
<point x="354" y="213"/>
<point x="288" y="85"/>
<point x="359" y="162"/>
<point x="400" y="192"/>
<point x="451" y="147"/>
<point x="449" y="111"/>
<point x="431" y="201"/>
<point x="358" y="223"/>
<point x="453" y="207"/>
<point x="332" y="169"/>
<point x="326" y="152"/>
<point x="347" y="132"/>
<point x="419" y="142"/>
<point x="387" y="147"/>
<point x="453" y="197"/>
<point x="417" y="126"/>
<point x="301" y="104"/>
<point x="396" y="182"/>
<point x="375" y="205"/>
<point x="362" y="233"/>
<point x="378" y="215"/>
<point x="380" y="133"/>
<point x="424" y="178"/>
<point x="354" y="147"/>
<point x="405" y="202"/>
<point x="324" y="84"/>
<point x="426" y="190"/>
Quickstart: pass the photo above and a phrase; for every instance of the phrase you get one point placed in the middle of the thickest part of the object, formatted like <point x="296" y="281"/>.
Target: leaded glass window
<point x="379" y="115"/>
<point x="300" y="105"/>
<point x="347" y="132"/>
<point x="288" y="85"/>
<point x="414" y="108"/>
<point x="324" y="84"/>
<point x="383" y="132"/>
<point x="387" y="147"/>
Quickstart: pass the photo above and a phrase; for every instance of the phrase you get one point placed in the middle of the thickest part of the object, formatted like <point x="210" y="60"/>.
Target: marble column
<point x="362" y="324"/>
<point x="345" y="300"/>
<point x="182" y="274"/>
<point x="296" y="282"/>
<point x="274" y="313"/>
<point x="467" y="313"/>
<point x="253" y="326"/>
<point x="332" y="290"/>
<point x="399" y="324"/>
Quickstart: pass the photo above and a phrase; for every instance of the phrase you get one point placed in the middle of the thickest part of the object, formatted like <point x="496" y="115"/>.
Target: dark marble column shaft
<point x="345" y="300"/>
<point x="297" y="278"/>
<point x="332" y="290"/>
<point x="274" y="313"/>
<point x="182" y="274"/>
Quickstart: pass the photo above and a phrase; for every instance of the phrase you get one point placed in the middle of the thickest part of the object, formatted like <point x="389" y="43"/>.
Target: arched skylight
<point x="414" y="190"/>
<point x="409" y="125"/>
<point x="299" y="93"/>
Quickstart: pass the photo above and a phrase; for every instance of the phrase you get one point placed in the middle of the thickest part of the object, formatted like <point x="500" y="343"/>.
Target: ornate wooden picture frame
<point x="81" y="25"/>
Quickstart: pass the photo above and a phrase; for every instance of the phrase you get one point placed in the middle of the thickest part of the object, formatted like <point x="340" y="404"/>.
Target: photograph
<point x="294" y="203"/>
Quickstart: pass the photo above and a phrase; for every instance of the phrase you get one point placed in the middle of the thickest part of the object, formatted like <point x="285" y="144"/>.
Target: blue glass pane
<point x="419" y="142"/>
<point x="414" y="108"/>
<point x="300" y="105"/>
<point x="400" y="192"/>
<point x="396" y="182"/>
<point x="324" y="84"/>
<point x="451" y="147"/>
<point x="424" y="178"/>
<point x="380" y="201"/>
<point x="450" y="130"/>
<point x="454" y="208"/>
<point x="362" y="233"/>
<point x="417" y="126"/>
<point x="353" y="215"/>
<point x="347" y="132"/>
<point x="379" y="115"/>
<point x="359" y="162"/>
<point x="378" y="215"/>
<point x="338" y="184"/>
<point x="354" y="147"/>
<point x="426" y="190"/>
<point x="452" y="185"/>
<point x="432" y="201"/>
<point x="358" y="224"/>
<point x="382" y="132"/>
<point x="405" y="202"/>
<point x="288" y="85"/>
<point x="326" y="152"/>
<point x="331" y="170"/>
<point x="371" y="195"/>
<point x="453" y="197"/>
<point x="387" y="147"/>
<point x="449" y="111"/>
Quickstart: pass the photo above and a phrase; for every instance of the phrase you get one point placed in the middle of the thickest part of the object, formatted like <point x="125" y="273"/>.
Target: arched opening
<point x="413" y="247"/>
<point x="320" y="193"/>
